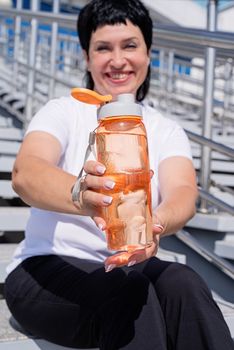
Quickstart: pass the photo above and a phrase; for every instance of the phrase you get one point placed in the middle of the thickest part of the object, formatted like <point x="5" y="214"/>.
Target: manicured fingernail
<point x="132" y="262"/>
<point x="110" y="267"/>
<point x="107" y="199"/>
<point x="159" y="226"/>
<point x="109" y="184"/>
<point x="100" y="169"/>
<point x="100" y="226"/>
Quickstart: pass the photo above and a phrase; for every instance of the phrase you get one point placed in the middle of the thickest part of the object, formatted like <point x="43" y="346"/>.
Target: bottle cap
<point x="125" y="105"/>
<point x="90" y="96"/>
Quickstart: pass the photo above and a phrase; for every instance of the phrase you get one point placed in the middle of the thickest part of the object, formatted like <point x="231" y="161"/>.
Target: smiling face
<point x="117" y="59"/>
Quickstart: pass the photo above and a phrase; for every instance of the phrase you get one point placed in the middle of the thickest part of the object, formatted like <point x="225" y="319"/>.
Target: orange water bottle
<point x="121" y="145"/>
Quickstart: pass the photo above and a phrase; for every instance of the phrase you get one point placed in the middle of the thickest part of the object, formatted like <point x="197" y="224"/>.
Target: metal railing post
<point x="227" y="88"/>
<point x="19" y="5"/>
<point x="31" y="64"/>
<point x="53" y="51"/>
<point x="162" y="77"/>
<point x="208" y="103"/>
<point x="169" y="80"/>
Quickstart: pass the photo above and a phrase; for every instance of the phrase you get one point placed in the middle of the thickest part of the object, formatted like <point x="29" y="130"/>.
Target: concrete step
<point x="4" y="89"/>
<point x="225" y="247"/>
<point x="16" y="96"/>
<point x="5" y="122"/>
<point x="6" y="253"/>
<point x="9" y="147"/>
<point x="217" y="165"/>
<point x="13" y="218"/>
<point x="223" y="179"/>
<point x="227" y="310"/>
<point x="6" y="190"/>
<point x="168" y="255"/>
<point x="33" y="344"/>
<point x="11" y="134"/>
<point x="6" y="163"/>
<point x="227" y="197"/>
<point x="196" y="152"/>
<point x="12" y="339"/>
<point x="221" y="222"/>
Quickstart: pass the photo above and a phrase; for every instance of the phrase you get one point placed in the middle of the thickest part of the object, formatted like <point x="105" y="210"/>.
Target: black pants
<point x="155" y="305"/>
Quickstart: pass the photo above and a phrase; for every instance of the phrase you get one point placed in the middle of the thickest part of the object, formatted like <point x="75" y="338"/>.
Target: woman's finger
<point x="158" y="226"/>
<point x="94" y="167"/>
<point x="99" y="182"/>
<point x="100" y="223"/>
<point x="130" y="258"/>
<point x="117" y="260"/>
<point x="141" y="255"/>
<point x="137" y="256"/>
<point x="95" y="199"/>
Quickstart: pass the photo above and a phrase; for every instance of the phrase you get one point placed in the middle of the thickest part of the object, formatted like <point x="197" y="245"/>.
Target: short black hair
<point x="98" y="13"/>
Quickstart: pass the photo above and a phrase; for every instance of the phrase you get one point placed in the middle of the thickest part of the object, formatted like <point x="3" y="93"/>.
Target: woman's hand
<point x="90" y="204"/>
<point x="90" y="199"/>
<point x="130" y="259"/>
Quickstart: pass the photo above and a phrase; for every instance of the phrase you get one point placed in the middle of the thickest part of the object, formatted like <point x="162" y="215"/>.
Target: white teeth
<point x="118" y="75"/>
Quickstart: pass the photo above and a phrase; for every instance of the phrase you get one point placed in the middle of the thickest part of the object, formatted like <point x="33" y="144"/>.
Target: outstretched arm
<point x="39" y="181"/>
<point x="178" y="189"/>
<point x="36" y="177"/>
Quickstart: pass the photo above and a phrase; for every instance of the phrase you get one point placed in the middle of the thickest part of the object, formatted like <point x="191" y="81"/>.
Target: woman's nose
<point x="118" y="59"/>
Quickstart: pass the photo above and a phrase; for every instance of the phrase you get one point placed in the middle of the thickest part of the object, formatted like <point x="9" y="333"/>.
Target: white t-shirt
<point x="71" y="121"/>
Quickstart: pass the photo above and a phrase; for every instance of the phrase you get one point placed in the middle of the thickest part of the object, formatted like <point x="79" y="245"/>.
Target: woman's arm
<point x="42" y="184"/>
<point x="36" y="177"/>
<point x="178" y="189"/>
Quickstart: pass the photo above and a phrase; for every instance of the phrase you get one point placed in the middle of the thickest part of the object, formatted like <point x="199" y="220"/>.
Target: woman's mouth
<point x="118" y="76"/>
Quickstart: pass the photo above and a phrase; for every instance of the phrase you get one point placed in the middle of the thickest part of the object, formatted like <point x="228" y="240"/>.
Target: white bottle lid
<point x="124" y="105"/>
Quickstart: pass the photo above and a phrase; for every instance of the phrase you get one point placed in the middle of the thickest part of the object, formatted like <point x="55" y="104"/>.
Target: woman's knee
<point x="180" y="281"/>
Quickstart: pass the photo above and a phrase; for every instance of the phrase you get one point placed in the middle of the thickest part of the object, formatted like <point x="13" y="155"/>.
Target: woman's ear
<point x="149" y="57"/>
<point x="86" y="57"/>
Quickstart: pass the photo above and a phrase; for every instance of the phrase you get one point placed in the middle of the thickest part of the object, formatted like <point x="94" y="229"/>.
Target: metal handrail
<point x="216" y="146"/>
<point x="215" y="201"/>
<point x="228" y="151"/>
<point x="198" y="37"/>
<point x="45" y="17"/>
<point x="193" y="243"/>
<point x="204" y="38"/>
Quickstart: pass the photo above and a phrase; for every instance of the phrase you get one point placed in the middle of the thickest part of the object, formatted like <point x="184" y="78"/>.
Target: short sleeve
<point x="175" y="143"/>
<point x="53" y="118"/>
<point x="166" y="137"/>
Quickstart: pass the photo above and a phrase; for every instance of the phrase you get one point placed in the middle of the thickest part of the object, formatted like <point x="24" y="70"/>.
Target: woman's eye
<point x="131" y="46"/>
<point x="102" y="48"/>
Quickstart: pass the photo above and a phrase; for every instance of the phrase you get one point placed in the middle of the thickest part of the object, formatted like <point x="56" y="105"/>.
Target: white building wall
<point x="184" y="12"/>
<point x="187" y="13"/>
<point x="226" y="20"/>
<point x="5" y="3"/>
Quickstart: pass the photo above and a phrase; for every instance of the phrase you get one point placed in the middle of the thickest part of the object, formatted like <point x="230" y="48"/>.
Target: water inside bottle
<point x="129" y="217"/>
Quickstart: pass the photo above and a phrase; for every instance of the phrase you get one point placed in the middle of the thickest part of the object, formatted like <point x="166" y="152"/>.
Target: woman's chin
<point x="120" y="90"/>
<point x="116" y="89"/>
